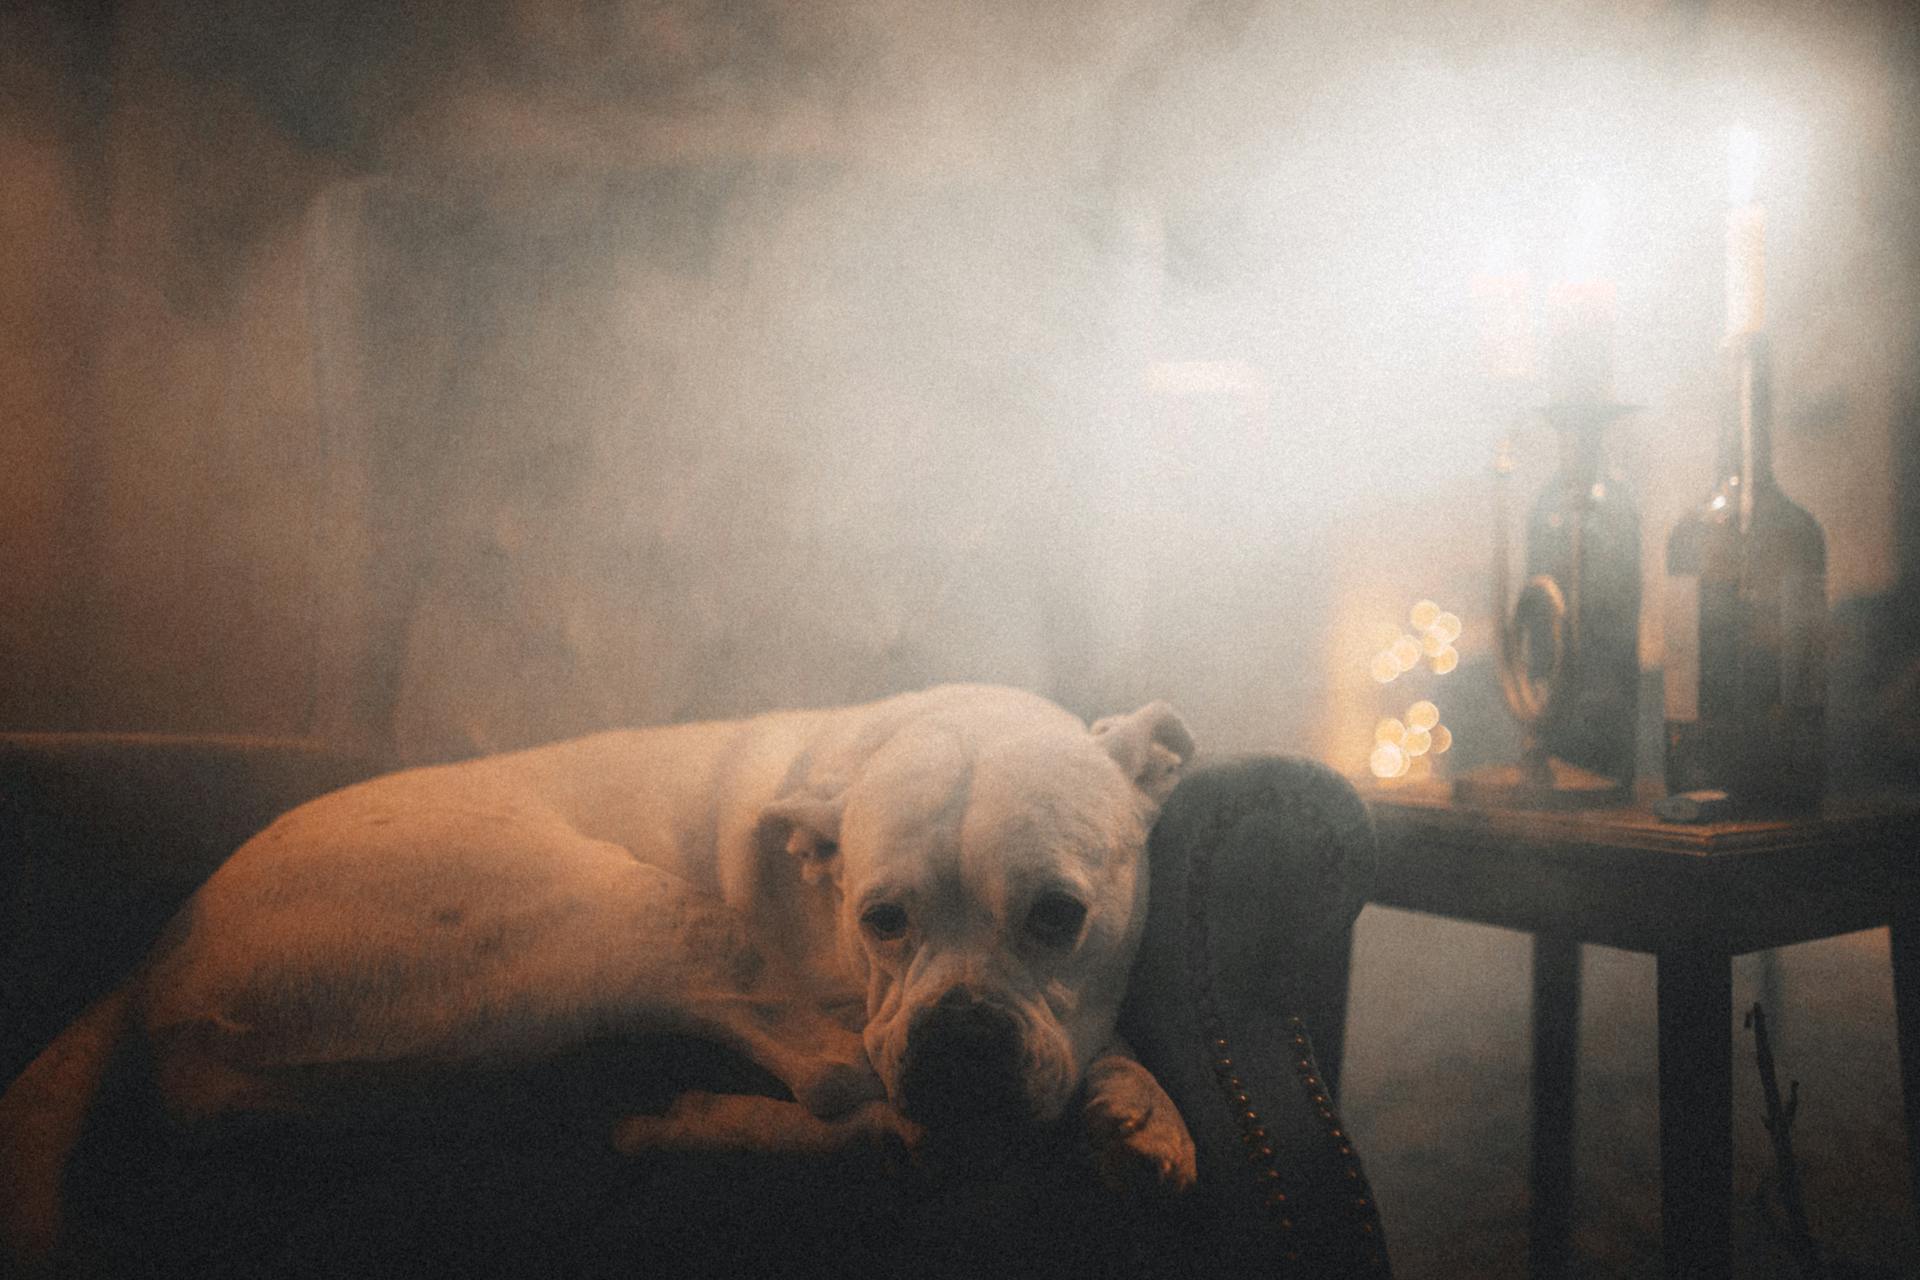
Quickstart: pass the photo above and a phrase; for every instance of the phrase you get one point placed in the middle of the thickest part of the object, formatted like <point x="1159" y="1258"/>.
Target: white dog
<point x="932" y="900"/>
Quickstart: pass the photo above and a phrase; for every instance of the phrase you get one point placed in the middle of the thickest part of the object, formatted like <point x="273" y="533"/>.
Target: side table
<point x="1692" y="895"/>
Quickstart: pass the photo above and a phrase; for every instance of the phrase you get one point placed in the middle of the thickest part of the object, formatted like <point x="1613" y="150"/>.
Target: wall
<point x="385" y="373"/>
<point x="48" y="342"/>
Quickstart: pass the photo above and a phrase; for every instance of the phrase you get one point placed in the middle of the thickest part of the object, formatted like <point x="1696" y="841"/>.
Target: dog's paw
<point x="829" y="1089"/>
<point x="1139" y="1142"/>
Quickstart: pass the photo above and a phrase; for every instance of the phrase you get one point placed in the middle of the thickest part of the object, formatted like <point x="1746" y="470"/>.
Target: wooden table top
<point x="1622" y="877"/>
<point x="1428" y="808"/>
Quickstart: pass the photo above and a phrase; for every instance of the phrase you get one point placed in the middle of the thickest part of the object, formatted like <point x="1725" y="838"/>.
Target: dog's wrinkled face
<point x="991" y="899"/>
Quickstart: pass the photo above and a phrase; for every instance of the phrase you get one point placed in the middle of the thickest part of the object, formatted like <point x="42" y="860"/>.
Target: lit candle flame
<point x="1502" y="301"/>
<point x="1746" y="235"/>
<point x="1499" y="258"/>
<point x="1580" y="307"/>
<point x="1743" y="164"/>
<point x="1590" y="224"/>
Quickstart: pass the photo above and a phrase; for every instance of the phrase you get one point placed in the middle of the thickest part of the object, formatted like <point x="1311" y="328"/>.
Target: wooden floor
<point x="1435" y="1090"/>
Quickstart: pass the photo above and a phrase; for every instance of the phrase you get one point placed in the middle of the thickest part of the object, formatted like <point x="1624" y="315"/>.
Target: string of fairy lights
<point x="1407" y="744"/>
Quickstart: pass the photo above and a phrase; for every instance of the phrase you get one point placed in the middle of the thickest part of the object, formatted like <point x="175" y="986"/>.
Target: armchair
<point x="1258" y="868"/>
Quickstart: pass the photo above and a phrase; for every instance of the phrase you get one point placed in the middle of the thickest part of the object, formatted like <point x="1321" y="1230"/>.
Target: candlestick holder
<point x="1569" y="648"/>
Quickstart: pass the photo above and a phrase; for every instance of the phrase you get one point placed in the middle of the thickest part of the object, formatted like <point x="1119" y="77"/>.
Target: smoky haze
<point x="437" y="377"/>
<point x="465" y="377"/>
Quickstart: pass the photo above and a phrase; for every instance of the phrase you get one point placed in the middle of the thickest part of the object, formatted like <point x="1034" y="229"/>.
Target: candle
<point x="1500" y="301"/>
<point x="1746" y="236"/>
<point x="1580" y="311"/>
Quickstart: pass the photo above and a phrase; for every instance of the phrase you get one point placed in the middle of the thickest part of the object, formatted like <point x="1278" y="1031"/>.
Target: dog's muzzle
<point x="964" y="1066"/>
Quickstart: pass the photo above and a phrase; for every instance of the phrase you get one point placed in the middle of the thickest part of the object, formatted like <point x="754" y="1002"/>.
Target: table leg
<point x="1695" y="994"/>
<point x="1905" y="946"/>
<point x="1556" y="1047"/>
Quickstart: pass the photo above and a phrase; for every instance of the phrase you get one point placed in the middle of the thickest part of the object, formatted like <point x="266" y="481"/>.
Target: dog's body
<point x="932" y="900"/>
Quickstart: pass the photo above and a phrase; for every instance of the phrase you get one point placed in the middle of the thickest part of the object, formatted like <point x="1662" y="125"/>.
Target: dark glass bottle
<point x="1746" y="618"/>
<point x="1584" y="533"/>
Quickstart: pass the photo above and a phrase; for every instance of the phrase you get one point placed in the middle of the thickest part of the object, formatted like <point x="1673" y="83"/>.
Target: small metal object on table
<point x="1694" y="895"/>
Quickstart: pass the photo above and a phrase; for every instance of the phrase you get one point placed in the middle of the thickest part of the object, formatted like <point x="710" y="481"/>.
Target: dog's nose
<point x="966" y="1023"/>
<point x="963" y="1063"/>
<point x="959" y="996"/>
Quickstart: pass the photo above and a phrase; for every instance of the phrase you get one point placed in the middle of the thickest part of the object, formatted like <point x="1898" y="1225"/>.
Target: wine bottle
<point x="1746" y="616"/>
<point x="1584" y="533"/>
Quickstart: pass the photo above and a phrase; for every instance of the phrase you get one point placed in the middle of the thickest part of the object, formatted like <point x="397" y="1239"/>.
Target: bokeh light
<point x="1405" y="747"/>
<point x="1387" y="761"/>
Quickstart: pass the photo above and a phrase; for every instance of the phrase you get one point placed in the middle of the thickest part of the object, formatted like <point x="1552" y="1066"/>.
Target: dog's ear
<point x="1149" y="745"/>
<point x="807" y="827"/>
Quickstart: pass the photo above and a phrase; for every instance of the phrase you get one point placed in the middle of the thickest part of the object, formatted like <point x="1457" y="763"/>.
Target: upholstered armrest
<point x="1259" y="866"/>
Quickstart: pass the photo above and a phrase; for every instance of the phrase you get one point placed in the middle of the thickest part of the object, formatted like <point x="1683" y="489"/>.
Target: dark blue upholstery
<point x="1259" y="867"/>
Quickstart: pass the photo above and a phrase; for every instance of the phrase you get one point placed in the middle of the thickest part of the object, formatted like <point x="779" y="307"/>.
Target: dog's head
<point x="991" y="893"/>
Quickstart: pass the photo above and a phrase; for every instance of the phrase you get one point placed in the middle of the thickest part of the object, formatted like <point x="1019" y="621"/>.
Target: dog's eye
<point x="1056" y="919"/>
<point x="885" y="921"/>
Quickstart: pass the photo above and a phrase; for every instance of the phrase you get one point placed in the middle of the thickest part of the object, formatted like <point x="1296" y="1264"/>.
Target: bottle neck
<point x="1746" y="435"/>
<point x="1581" y="448"/>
